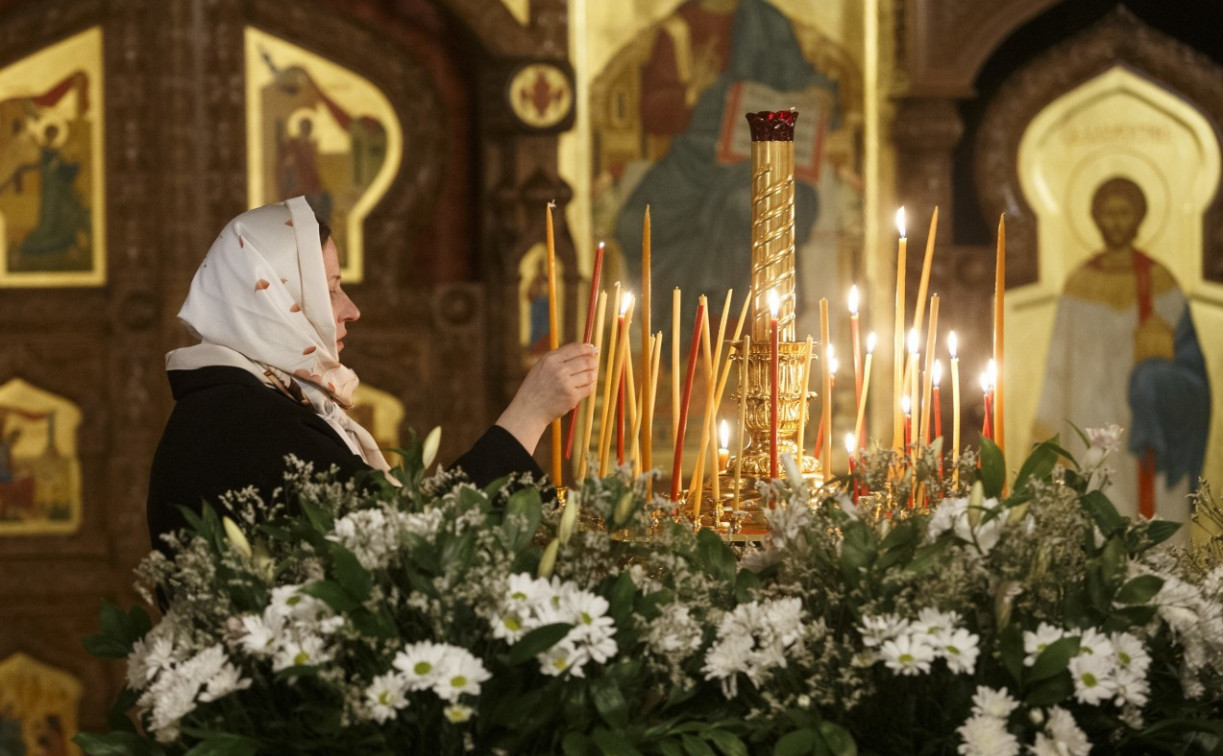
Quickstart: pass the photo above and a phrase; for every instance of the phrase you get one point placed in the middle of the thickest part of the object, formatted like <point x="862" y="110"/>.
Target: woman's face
<point x="341" y="306"/>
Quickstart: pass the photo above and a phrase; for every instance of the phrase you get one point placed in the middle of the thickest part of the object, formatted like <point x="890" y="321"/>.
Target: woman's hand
<point x="554" y="385"/>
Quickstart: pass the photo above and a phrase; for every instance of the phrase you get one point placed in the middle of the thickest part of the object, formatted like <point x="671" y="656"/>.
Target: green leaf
<point x="609" y="702"/>
<point x="1104" y="513"/>
<point x="331" y="594"/>
<point x="613" y="744"/>
<point x="459" y="550"/>
<point x="116" y="744"/>
<point x="577" y="744"/>
<point x="728" y="743"/>
<point x="520" y="530"/>
<point x="1161" y="530"/>
<point x="715" y="556"/>
<point x="670" y="747"/>
<point x="120" y="631"/>
<point x="374" y="624"/>
<point x="1140" y="590"/>
<point x="537" y="641"/>
<point x="926" y="558"/>
<point x="747" y="585"/>
<point x="694" y="746"/>
<point x="320" y="519"/>
<point x="796" y="743"/>
<point x="349" y="573"/>
<point x="898" y="546"/>
<point x="224" y="745"/>
<point x="621" y="600"/>
<point x="838" y="739"/>
<point x="1039" y="464"/>
<point x="857" y="550"/>
<point x="1051" y="691"/>
<point x="993" y="468"/>
<point x="1054" y="659"/>
<point x="1010" y="646"/>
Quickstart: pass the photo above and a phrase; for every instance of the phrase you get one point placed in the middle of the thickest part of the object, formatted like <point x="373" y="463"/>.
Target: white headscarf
<point x="260" y="301"/>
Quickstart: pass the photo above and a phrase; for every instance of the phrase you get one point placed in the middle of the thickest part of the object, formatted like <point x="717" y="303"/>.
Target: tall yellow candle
<point x="826" y="418"/>
<point x="927" y="372"/>
<point x="590" y="400"/>
<point x="647" y="430"/>
<point x="925" y="274"/>
<point x="866" y="387"/>
<point x="999" y="295"/>
<point x="898" y="357"/>
<point x="952" y="345"/>
<point x="911" y="373"/>
<point x="676" y="378"/>
<point x="744" y="385"/>
<point x="553" y="338"/>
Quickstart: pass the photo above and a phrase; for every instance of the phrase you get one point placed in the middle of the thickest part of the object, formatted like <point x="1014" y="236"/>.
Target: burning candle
<point x="911" y="375"/>
<point x="855" y="342"/>
<point x="850" y="445"/>
<point x="723" y="446"/>
<point x="931" y="340"/>
<point x="647" y="422"/>
<point x="590" y="403"/>
<point x="829" y="368"/>
<point x="952" y="344"/>
<point x="675" y="380"/>
<point x="775" y="379"/>
<point x="898" y="333"/>
<point x="866" y="387"/>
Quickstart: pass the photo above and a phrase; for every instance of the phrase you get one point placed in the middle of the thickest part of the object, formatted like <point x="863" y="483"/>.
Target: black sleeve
<point x="496" y="455"/>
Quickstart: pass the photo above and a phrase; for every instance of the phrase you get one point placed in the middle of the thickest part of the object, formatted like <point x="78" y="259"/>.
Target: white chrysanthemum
<point x="458" y="713"/>
<point x="1130" y="652"/>
<point x="422" y="663"/>
<point x="288" y="602"/>
<point x="726" y="659"/>
<point x="934" y="623"/>
<point x="1068" y="739"/>
<point x="674" y="631"/>
<point x="907" y="655"/>
<point x="300" y="650"/>
<point x="558" y="660"/>
<point x="1036" y="642"/>
<point x="509" y="627"/>
<point x="878" y="629"/>
<point x="385" y="696"/>
<point x="1093" y="678"/>
<point x="261" y="633"/>
<point x="986" y="736"/>
<point x="369" y="534"/>
<point x="226" y="680"/>
<point x="461" y="672"/>
<point x="997" y="704"/>
<point x="960" y="648"/>
<point x="1094" y="643"/>
<point x="1132" y="687"/>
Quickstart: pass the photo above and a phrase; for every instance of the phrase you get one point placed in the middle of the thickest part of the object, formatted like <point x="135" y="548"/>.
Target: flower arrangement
<point x="435" y="617"/>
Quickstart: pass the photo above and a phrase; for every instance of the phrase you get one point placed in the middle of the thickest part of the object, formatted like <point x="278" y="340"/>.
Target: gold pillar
<point x="772" y="221"/>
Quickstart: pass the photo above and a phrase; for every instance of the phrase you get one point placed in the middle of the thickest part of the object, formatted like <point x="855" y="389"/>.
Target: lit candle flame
<point x="992" y="370"/>
<point x="724" y="435"/>
<point x="900" y="221"/>
<point x="870" y="343"/>
<point x="850" y="443"/>
<point x="936" y="373"/>
<point x="774" y="302"/>
<point x="952" y="344"/>
<point x="832" y="364"/>
<point x="904" y="404"/>
<point x="985" y="382"/>
<point x="853" y="299"/>
<point x="913" y="340"/>
<point x="626" y="300"/>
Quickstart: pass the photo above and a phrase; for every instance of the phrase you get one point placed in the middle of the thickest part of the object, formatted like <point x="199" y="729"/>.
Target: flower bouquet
<point x="436" y="617"/>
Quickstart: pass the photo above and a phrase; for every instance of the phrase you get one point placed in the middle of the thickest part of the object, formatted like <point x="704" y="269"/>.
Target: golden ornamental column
<point x="772" y="220"/>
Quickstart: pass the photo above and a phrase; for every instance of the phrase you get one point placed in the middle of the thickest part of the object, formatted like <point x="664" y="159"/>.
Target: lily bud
<point x="237" y="539"/>
<point x="976" y="503"/>
<point x="429" y="450"/>
<point x="569" y="519"/>
<point x="547" y="563"/>
<point x="624" y="509"/>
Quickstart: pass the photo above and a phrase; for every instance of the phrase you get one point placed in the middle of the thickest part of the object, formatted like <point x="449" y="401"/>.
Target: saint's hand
<point x="1153" y="340"/>
<point x="556" y="383"/>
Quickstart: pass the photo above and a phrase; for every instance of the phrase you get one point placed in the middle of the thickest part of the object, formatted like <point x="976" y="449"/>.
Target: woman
<point x="266" y="380"/>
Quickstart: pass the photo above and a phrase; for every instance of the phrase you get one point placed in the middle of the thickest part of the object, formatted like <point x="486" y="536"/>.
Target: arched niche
<point x="1118" y="124"/>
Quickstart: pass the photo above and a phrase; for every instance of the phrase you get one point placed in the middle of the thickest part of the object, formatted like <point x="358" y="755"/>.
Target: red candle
<point x="620" y="417"/>
<point x="589" y="333"/>
<point x="775" y="373"/>
<point x="936" y="378"/>
<point x="851" y="442"/>
<point x="678" y="467"/>
<point x="907" y="408"/>
<point x="819" y="436"/>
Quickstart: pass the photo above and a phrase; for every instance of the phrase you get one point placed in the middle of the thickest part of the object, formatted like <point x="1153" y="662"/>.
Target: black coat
<point x="229" y="431"/>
